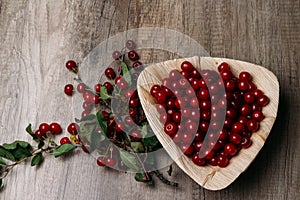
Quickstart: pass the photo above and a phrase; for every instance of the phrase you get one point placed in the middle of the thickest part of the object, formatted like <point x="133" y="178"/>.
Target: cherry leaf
<point x="2" y="162"/>
<point x="63" y="149"/>
<point x="130" y="160"/>
<point x="37" y="159"/>
<point x="6" y="154"/>
<point x="126" y="73"/>
<point x="102" y="122"/>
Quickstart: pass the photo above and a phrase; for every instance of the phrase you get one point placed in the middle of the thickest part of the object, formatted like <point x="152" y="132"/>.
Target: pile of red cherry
<point x="191" y="101"/>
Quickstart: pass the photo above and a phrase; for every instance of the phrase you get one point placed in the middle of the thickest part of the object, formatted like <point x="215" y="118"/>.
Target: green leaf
<point x="29" y="130"/>
<point x="152" y="143"/>
<point x="6" y="154"/>
<point x="41" y="144"/>
<point x="102" y="122"/>
<point x="144" y="130"/>
<point x="63" y="149"/>
<point x="20" y="152"/>
<point x="13" y="145"/>
<point x="2" y="162"/>
<point x="130" y="160"/>
<point x="103" y="93"/>
<point x="141" y="177"/>
<point x="170" y="170"/>
<point x="137" y="147"/>
<point x="95" y="140"/>
<point x="126" y="73"/>
<point x="37" y="159"/>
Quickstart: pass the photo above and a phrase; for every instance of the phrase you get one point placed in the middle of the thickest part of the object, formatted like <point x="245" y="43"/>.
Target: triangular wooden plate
<point x="210" y="177"/>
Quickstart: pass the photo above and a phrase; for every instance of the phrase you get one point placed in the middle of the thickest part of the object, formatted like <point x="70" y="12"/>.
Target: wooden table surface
<point x="37" y="37"/>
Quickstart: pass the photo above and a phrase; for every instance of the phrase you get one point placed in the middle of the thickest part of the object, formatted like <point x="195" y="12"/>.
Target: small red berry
<point x="100" y="162"/>
<point x="110" y="162"/>
<point x="223" y="160"/>
<point x="69" y="89"/>
<point x="65" y="140"/>
<point x="81" y="87"/>
<point x="223" y="66"/>
<point x="73" y="128"/>
<point x="110" y="73"/>
<point x="170" y="128"/>
<point x="72" y="66"/>
<point x="230" y="149"/>
<point x="39" y="134"/>
<point x="97" y="87"/>
<point x="245" y="76"/>
<point x="108" y="87"/>
<point x="55" y="128"/>
<point x="187" y="66"/>
<point x="133" y="55"/>
<point x="44" y="128"/>
<point x="252" y="125"/>
<point x="130" y="44"/>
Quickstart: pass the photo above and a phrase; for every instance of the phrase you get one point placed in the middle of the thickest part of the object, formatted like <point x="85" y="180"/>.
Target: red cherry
<point x="187" y="150"/>
<point x="72" y="66"/>
<point x="170" y="128"/>
<point x="97" y="87"/>
<point x="73" y="128"/>
<point x="65" y="140"/>
<point x="121" y="83"/>
<point x="197" y="160"/>
<point x="133" y="55"/>
<point x="237" y="127"/>
<point x="230" y="149"/>
<point x="243" y="85"/>
<point x="81" y="87"/>
<point x="39" y="133"/>
<point x="246" y="143"/>
<point x="110" y="162"/>
<point x="136" y="136"/>
<point x="226" y="75"/>
<point x="223" y="66"/>
<point x="263" y="100"/>
<point x="55" y="128"/>
<point x="88" y="97"/>
<point x="100" y="162"/>
<point x="187" y="66"/>
<point x="245" y="76"/>
<point x="108" y="87"/>
<point x="249" y="97"/>
<point x="203" y="94"/>
<point x="44" y="128"/>
<point x="245" y="109"/>
<point x="223" y="160"/>
<point x="116" y="55"/>
<point x="69" y="89"/>
<point x="160" y="97"/>
<point x="120" y="127"/>
<point x="230" y="85"/>
<point x="110" y="73"/>
<point x="133" y="103"/>
<point x="258" y="116"/>
<point x="130" y="44"/>
<point x="252" y="125"/>
<point x="136" y="64"/>
<point x="258" y="93"/>
<point x="235" y="138"/>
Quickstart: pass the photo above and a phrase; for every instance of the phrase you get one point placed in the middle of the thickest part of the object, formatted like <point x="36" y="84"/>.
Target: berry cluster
<point x="209" y="115"/>
<point x="117" y="101"/>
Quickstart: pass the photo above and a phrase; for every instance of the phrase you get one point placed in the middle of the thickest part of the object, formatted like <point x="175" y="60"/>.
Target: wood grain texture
<point x="37" y="37"/>
<point x="209" y="177"/>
